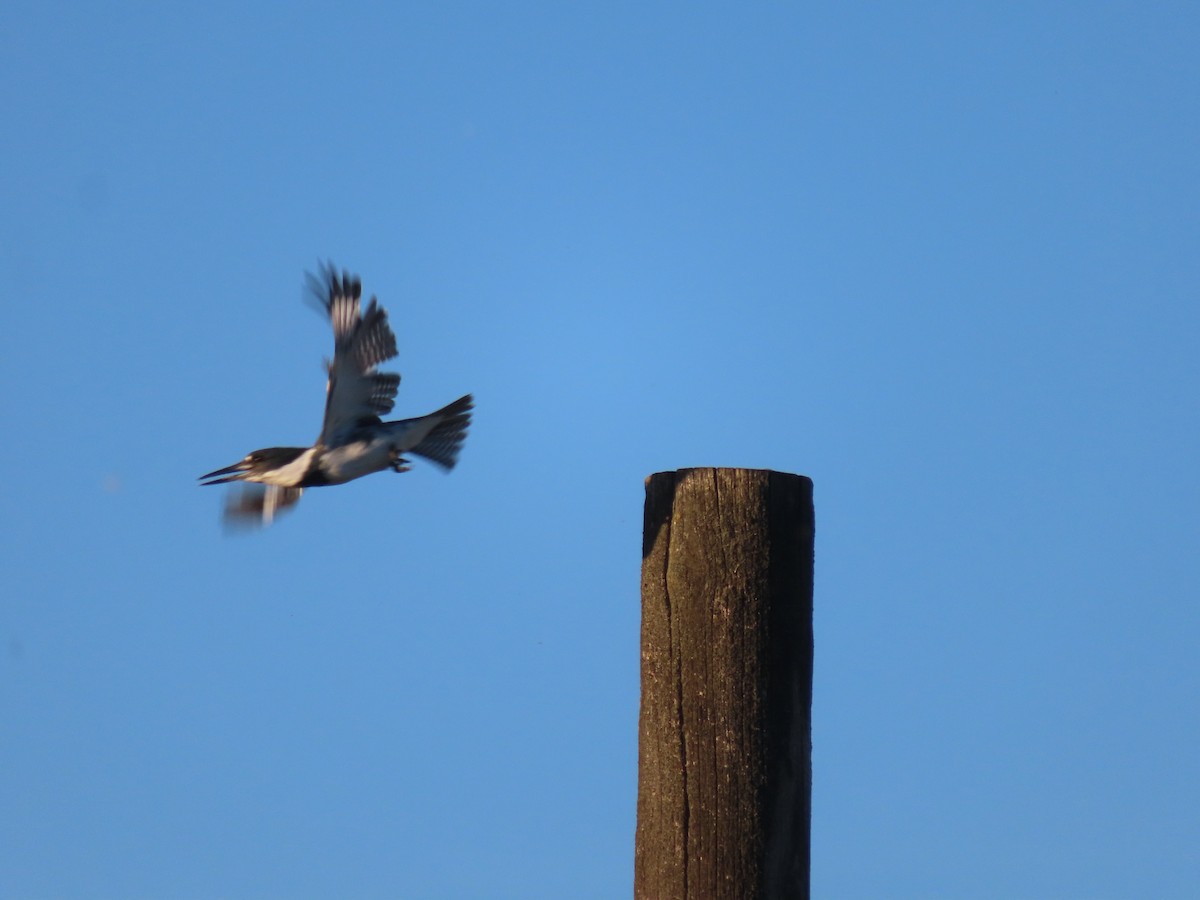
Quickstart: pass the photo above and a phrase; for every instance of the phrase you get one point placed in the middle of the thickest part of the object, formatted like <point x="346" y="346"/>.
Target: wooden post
<point x="724" y="738"/>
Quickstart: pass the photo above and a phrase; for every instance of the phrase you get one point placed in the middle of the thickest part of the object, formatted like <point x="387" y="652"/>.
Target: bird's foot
<point x="398" y="463"/>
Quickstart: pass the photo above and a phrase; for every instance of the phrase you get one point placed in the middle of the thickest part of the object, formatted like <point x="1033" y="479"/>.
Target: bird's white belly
<point x="356" y="459"/>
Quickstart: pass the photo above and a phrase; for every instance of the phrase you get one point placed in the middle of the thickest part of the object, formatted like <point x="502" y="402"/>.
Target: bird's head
<point x="257" y="466"/>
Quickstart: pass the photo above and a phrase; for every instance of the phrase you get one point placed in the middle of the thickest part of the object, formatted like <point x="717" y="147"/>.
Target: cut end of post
<point x="685" y="472"/>
<point x="793" y="492"/>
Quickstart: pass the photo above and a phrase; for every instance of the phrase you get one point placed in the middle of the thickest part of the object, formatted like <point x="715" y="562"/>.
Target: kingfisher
<point x="354" y="440"/>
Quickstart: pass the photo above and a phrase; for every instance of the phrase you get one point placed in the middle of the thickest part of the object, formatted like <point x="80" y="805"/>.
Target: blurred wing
<point x="361" y="341"/>
<point x="256" y="505"/>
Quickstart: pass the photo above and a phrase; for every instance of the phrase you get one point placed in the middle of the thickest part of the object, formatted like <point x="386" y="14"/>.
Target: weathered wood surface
<point x="724" y="738"/>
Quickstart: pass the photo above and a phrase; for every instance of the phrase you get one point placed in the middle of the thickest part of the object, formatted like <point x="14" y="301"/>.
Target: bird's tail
<point x="445" y="439"/>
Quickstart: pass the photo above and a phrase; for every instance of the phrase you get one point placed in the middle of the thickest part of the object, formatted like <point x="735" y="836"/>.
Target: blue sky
<point x="939" y="257"/>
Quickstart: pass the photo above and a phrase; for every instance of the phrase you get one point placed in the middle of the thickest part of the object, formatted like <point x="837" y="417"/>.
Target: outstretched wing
<point x="257" y="505"/>
<point x="357" y="394"/>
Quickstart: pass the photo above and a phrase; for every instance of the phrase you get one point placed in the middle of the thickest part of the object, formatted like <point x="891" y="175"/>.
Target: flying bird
<point x="354" y="440"/>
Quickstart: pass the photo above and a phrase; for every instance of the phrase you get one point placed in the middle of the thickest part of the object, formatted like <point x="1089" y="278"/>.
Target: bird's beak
<point x="236" y="472"/>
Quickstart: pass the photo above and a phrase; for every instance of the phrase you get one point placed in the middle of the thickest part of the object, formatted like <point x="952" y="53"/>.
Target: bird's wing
<point x="357" y="394"/>
<point x="256" y="505"/>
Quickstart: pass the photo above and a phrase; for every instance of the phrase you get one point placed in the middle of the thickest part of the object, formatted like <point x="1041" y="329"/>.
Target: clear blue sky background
<point x="940" y="257"/>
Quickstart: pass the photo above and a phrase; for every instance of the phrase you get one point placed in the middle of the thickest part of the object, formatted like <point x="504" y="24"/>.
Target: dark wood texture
<point x="724" y="738"/>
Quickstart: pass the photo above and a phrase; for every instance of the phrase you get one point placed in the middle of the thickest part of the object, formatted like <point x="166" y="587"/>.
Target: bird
<point x="354" y="440"/>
